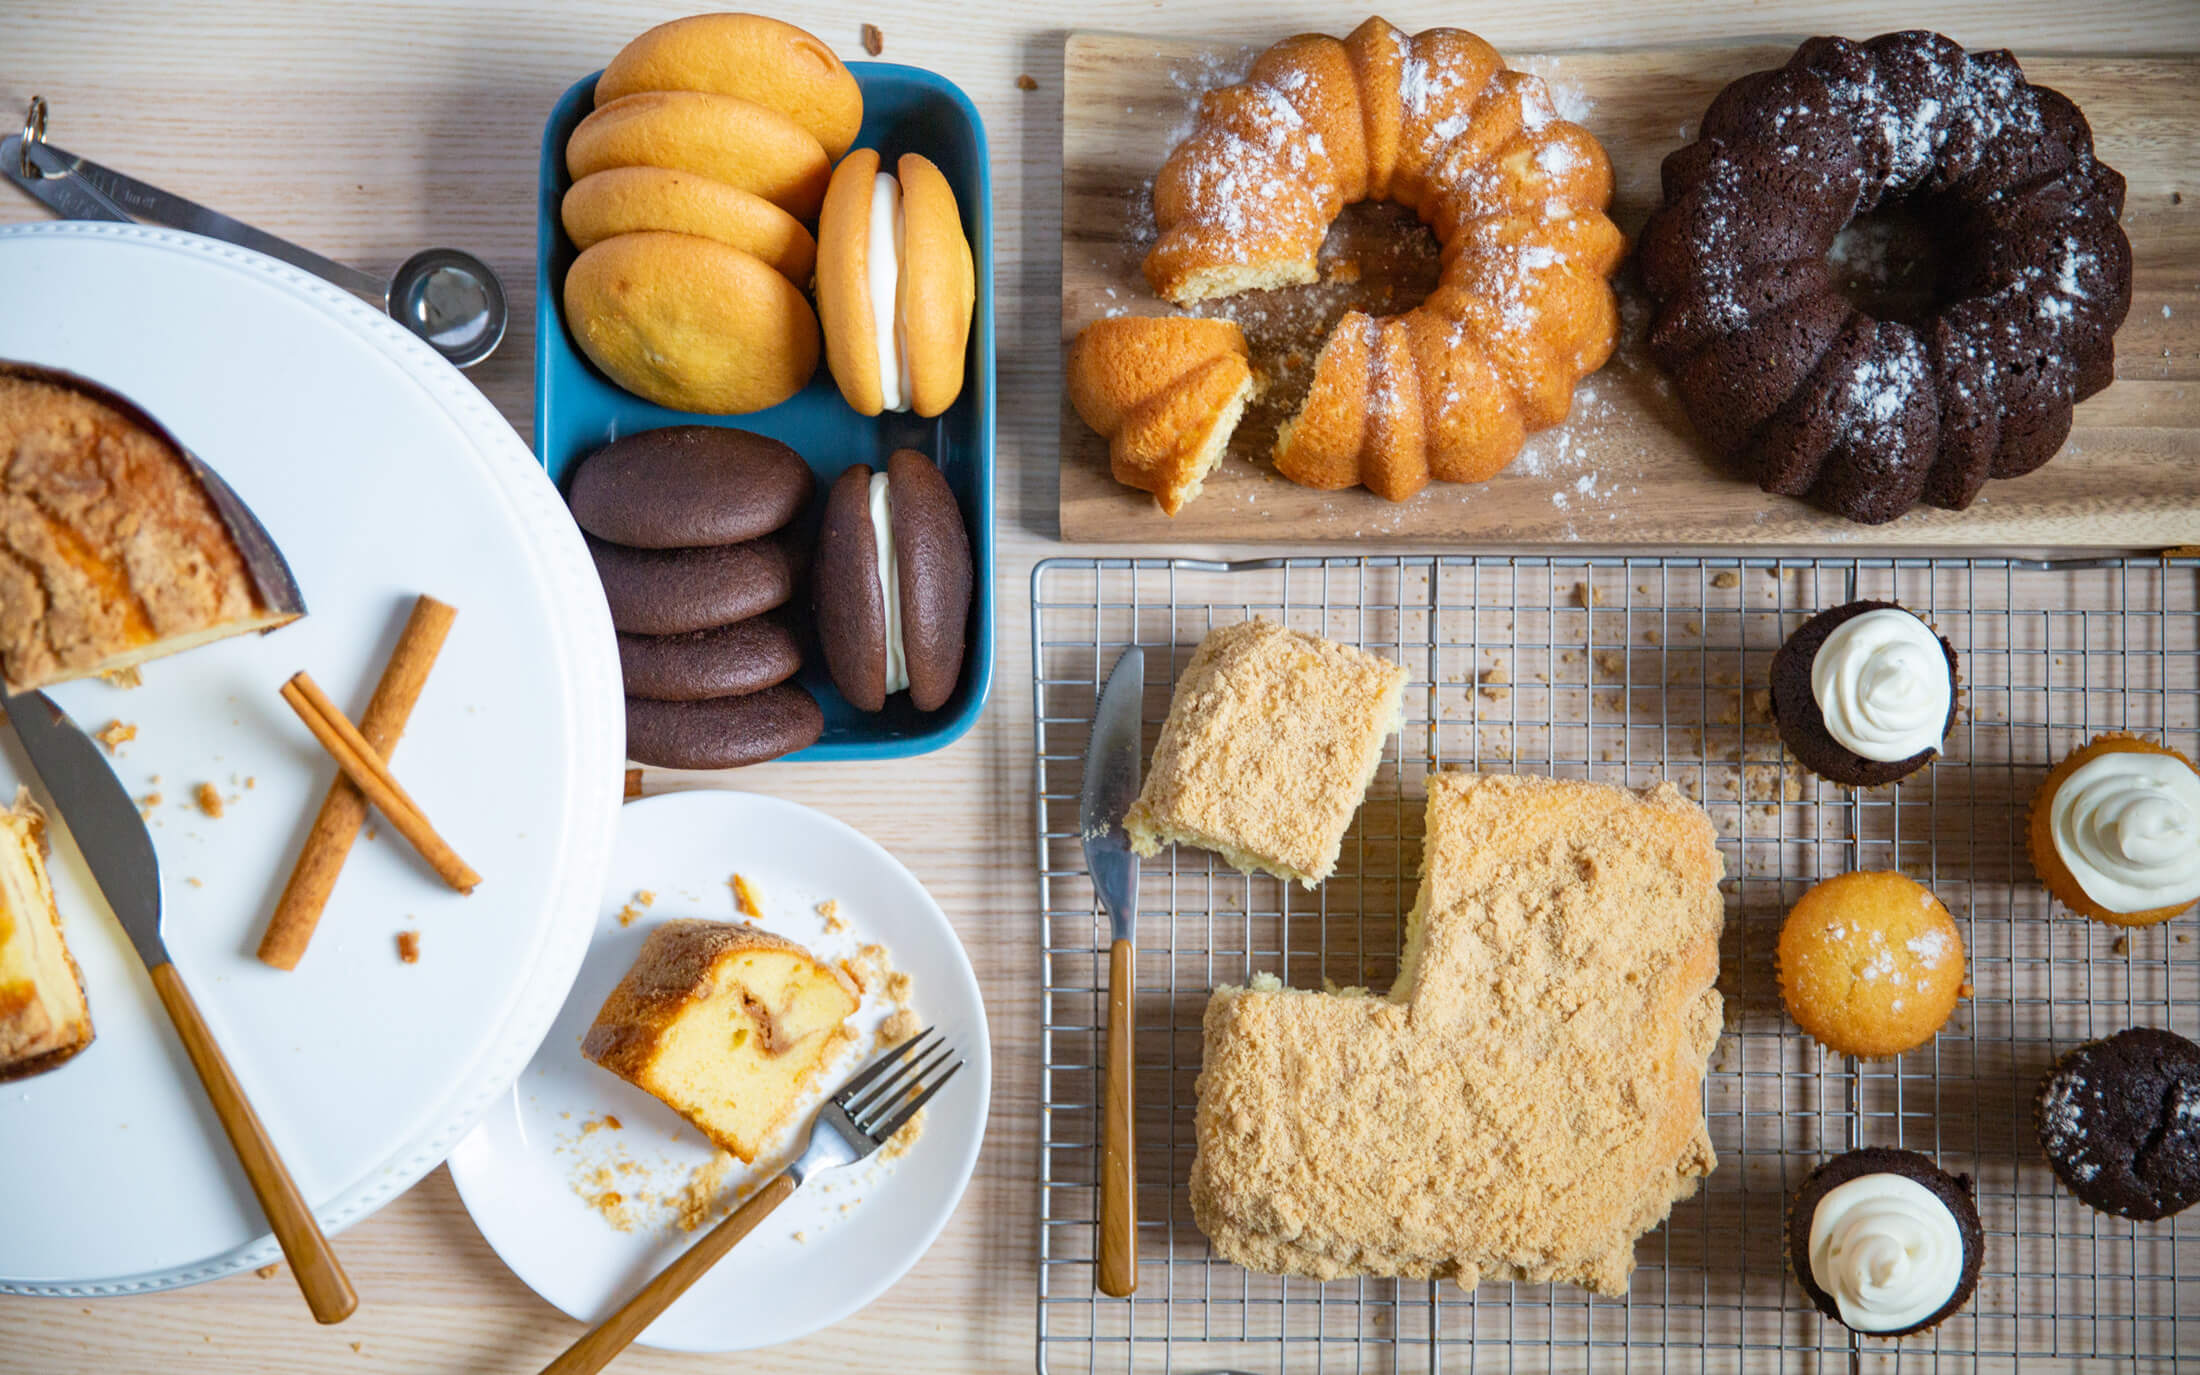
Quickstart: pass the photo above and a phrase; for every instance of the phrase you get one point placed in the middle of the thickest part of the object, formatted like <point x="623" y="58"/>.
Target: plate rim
<point x="737" y="799"/>
<point x="582" y="624"/>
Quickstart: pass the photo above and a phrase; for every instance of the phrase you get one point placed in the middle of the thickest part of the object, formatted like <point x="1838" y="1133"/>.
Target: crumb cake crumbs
<point x="746" y="900"/>
<point x="408" y="946"/>
<point x="115" y="734"/>
<point x="209" y="799"/>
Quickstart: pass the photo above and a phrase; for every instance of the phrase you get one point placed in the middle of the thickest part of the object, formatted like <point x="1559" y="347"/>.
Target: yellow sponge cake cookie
<point x="727" y="1024"/>
<point x="895" y="285"/>
<point x="626" y="200"/>
<point x="739" y="142"/>
<point x="745" y="55"/>
<point x="690" y="323"/>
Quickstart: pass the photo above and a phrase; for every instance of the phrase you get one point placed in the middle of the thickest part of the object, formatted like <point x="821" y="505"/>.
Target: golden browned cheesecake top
<point x="1271" y="738"/>
<point x="108" y="543"/>
<point x="1527" y="1102"/>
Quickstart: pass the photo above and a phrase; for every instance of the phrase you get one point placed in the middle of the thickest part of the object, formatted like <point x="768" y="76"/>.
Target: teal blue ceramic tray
<point x="577" y="409"/>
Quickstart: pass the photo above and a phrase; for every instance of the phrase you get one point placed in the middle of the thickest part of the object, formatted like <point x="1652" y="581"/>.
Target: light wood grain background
<point x="371" y="130"/>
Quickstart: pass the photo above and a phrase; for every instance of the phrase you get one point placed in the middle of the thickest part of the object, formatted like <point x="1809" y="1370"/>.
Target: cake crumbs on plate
<point x="745" y="897"/>
<point x="267" y="1272"/>
<point x="700" y="1200"/>
<point x="196" y="882"/>
<point x="124" y="678"/>
<point x="115" y="733"/>
<point x="408" y="946"/>
<point x="209" y="799"/>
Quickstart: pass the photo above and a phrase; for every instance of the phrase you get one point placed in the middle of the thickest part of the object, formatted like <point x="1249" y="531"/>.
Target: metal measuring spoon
<point x="449" y="298"/>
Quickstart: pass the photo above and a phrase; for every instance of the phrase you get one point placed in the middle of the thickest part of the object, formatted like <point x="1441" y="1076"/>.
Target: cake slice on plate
<point x="43" y="1017"/>
<point x="727" y="1024"/>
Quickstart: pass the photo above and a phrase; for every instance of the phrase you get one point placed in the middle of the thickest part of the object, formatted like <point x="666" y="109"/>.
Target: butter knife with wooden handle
<point x="1111" y="786"/>
<point x="107" y="828"/>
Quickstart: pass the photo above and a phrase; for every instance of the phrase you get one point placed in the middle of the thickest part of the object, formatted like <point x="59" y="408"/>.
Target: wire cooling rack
<point x="1629" y="670"/>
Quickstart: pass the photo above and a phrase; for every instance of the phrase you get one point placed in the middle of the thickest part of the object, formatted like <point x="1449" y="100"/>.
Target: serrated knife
<point x="1111" y="786"/>
<point x="111" y="834"/>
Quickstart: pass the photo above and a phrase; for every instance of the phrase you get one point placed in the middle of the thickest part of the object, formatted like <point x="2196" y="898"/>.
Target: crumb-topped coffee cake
<point x="1271" y="739"/>
<point x="1527" y="1101"/>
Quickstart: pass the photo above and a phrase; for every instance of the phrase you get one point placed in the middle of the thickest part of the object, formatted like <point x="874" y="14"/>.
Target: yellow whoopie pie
<point x="739" y="142"/>
<point x="927" y="324"/>
<point x="690" y="323"/>
<point x="746" y="55"/>
<point x="627" y="200"/>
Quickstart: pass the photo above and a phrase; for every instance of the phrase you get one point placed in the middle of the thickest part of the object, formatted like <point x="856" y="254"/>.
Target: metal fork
<point x="864" y="1115"/>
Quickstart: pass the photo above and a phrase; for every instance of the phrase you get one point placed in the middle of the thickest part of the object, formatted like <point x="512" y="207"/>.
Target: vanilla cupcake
<point x="2115" y="831"/>
<point x="1885" y="1242"/>
<point x="1870" y="964"/>
<point x="1864" y="693"/>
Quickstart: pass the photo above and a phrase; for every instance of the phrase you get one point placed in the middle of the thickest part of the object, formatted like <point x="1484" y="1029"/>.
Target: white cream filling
<point x="2127" y="825"/>
<point x="882" y="264"/>
<point x="1888" y="1251"/>
<point x="1883" y="686"/>
<point x="889" y="582"/>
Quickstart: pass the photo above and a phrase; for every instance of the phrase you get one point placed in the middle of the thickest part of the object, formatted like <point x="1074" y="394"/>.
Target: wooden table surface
<point x="368" y="131"/>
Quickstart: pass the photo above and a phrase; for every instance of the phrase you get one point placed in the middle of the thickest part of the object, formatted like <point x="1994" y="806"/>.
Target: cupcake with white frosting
<point x="2115" y="831"/>
<point x="1864" y="693"/>
<point x="1885" y="1242"/>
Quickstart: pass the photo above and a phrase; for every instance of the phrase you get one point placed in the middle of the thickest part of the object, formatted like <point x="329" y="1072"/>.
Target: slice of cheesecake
<point x="116" y="546"/>
<point x="43" y="1018"/>
<point x="726" y="1023"/>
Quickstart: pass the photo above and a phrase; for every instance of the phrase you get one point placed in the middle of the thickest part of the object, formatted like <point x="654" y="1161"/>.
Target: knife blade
<point x="1112" y="757"/>
<point x="111" y="835"/>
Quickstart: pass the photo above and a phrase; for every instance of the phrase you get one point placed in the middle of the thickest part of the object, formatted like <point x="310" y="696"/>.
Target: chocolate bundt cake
<point x="1816" y="397"/>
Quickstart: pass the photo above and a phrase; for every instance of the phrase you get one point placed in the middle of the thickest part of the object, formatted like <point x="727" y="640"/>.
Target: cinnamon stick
<point x="344" y="809"/>
<point x="371" y="775"/>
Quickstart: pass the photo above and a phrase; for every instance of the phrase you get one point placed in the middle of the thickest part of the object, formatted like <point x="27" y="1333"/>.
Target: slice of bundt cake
<point x="1812" y="395"/>
<point x="1165" y="392"/>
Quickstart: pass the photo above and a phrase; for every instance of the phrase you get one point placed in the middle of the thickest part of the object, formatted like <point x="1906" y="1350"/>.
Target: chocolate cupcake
<point x="1864" y="693"/>
<point x="1885" y="1242"/>
<point x="2120" y="1122"/>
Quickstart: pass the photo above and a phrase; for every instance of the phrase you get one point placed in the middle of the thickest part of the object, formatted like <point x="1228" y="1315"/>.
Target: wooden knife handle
<point x="614" y="1334"/>
<point x="327" y="1289"/>
<point x="1118" y="1146"/>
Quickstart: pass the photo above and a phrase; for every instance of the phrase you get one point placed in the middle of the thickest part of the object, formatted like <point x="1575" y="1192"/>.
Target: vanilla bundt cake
<point x="1866" y="417"/>
<point x="1516" y="198"/>
<point x="1165" y="392"/>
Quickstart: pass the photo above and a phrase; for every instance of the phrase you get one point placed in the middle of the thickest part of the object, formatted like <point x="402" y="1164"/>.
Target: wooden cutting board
<point x="1625" y="469"/>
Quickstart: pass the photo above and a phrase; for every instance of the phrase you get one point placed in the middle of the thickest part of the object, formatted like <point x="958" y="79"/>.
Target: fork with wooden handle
<point x="877" y="1102"/>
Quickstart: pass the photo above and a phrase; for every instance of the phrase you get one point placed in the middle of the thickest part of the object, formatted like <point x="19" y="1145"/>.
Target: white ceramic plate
<point x="382" y="473"/>
<point x="524" y="1171"/>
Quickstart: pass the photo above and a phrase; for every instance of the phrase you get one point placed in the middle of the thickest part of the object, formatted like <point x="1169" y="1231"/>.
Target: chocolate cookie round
<point x="932" y="551"/>
<point x="689" y="485"/>
<point x="2119" y="1120"/>
<point x="851" y="602"/>
<point x="1802" y="724"/>
<point x="673" y="591"/>
<point x="1953" y="1190"/>
<point x="726" y="661"/>
<point x="722" y="732"/>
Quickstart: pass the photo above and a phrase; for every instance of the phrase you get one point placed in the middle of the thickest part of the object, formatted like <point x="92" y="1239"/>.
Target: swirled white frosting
<point x="1882" y="684"/>
<point x="1888" y="1251"/>
<point x="2127" y="826"/>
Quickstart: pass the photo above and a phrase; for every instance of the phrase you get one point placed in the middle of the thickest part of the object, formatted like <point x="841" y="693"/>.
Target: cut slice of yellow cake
<point x="726" y="1023"/>
<point x="43" y="1017"/>
<point x="1271" y="740"/>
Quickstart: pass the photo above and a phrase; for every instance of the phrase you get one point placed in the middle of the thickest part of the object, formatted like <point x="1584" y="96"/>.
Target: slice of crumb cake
<point x="1271" y="740"/>
<point x="1527" y="1101"/>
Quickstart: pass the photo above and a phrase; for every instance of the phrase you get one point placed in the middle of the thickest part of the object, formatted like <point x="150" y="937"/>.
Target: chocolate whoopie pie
<point x="672" y="591"/>
<point x="722" y="732"/>
<point x="726" y="661"/>
<point x="1954" y="1193"/>
<point x="688" y="485"/>
<point x="2119" y="1120"/>
<point x="916" y="522"/>
<point x="1802" y="722"/>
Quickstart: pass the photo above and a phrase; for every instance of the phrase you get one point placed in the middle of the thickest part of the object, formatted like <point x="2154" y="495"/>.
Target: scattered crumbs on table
<point x="1025" y="82"/>
<point x="1586" y="595"/>
<point x="408" y="946"/>
<point x="1692" y="627"/>
<point x="358" y="1346"/>
<point x="267" y="1272"/>
<point x="1726" y="577"/>
<point x="114" y="734"/>
<point x="1492" y="681"/>
<point x="1965" y="989"/>
<point x="745" y="897"/>
<point x="2121" y="945"/>
<point x="874" y="42"/>
<point x="209" y="799"/>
